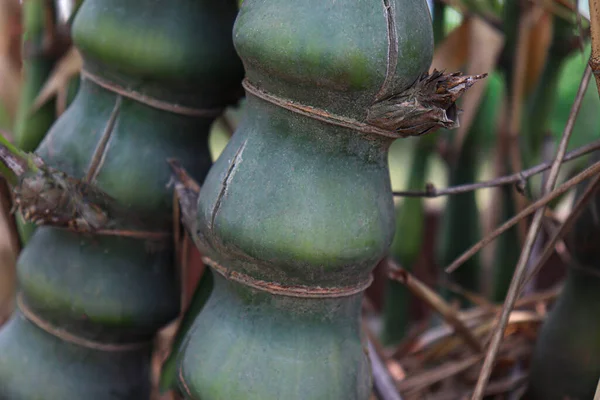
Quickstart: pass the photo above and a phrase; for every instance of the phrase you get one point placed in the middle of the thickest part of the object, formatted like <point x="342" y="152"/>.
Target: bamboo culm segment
<point x="298" y="208"/>
<point x="566" y="359"/>
<point x="91" y="304"/>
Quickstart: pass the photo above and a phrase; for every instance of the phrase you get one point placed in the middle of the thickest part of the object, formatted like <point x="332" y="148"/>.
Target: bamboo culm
<point x="298" y="208"/>
<point x="155" y="75"/>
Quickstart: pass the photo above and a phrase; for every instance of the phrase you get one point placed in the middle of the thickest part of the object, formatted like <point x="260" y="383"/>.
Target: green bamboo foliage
<point x="566" y="360"/>
<point x="405" y="249"/>
<point x="298" y="208"/>
<point x="156" y="73"/>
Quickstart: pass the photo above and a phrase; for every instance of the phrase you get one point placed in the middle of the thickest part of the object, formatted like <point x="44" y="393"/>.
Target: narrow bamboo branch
<point x="437" y="303"/>
<point x="520" y="270"/>
<point x="518" y="178"/>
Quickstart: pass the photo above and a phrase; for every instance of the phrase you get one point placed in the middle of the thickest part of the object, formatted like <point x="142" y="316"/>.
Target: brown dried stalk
<point x="435" y="302"/>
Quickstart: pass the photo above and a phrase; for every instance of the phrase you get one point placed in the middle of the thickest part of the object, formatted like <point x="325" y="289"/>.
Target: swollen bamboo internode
<point x="298" y="209"/>
<point x="566" y="360"/>
<point x="156" y="74"/>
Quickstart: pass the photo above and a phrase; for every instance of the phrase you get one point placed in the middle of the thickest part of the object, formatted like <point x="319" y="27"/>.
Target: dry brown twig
<point x="595" y="33"/>
<point x="519" y="178"/>
<point x="520" y="270"/>
<point x="591" y="189"/>
<point x="565" y="187"/>
<point x="435" y="302"/>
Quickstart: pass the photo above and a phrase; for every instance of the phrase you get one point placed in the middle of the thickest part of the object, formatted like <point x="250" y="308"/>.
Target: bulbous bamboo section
<point x="566" y="360"/>
<point x="156" y="74"/>
<point x="298" y="209"/>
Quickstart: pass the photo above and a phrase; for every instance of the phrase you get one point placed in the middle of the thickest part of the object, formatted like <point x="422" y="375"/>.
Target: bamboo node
<point x="426" y="106"/>
<point x="315" y="113"/>
<point x="150" y="101"/>
<point x="314" y="292"/>
<point x="74" y="339"/>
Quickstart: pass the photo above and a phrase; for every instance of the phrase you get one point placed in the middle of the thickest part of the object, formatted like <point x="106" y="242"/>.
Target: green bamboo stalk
<point x="156" y="74"/>
<point x="460" y="223"/>
<point x="439" y="22"/>
<point x="30" y="128"/>
<point x="405" y="249"/>
<point x="298" y="208"/>
<point x="460" y="220"/>
<point x="566" y="359"/>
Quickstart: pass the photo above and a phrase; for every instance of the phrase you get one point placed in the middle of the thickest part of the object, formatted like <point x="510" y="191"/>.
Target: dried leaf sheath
<point x="427" y="105"/>
<point x="46" y="196"/>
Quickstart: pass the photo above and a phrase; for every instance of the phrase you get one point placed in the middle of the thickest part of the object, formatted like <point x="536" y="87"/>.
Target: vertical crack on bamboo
<point x="392" y="53"/>
<point x="102" y="148"/>
<point x="226" y="180"/>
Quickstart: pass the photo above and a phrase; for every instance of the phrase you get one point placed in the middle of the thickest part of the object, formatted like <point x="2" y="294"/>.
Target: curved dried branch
<point x="436" y="302"/>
